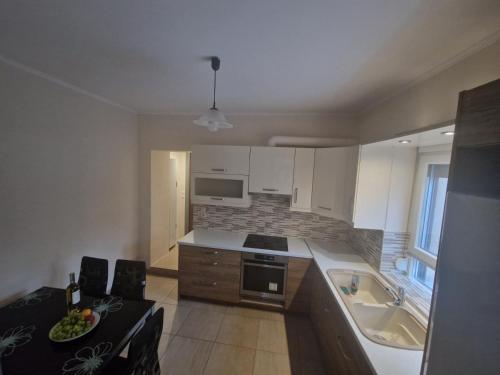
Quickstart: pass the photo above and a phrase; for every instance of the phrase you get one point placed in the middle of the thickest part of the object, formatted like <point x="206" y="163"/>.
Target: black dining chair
<point x="130" y="279"/>
<point x="93" y="279"/>
<point x="142" y="356"/>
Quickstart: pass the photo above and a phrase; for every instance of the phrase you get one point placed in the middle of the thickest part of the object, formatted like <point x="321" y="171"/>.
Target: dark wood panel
<point x="209" y="288"/>
<point x="209" y="273"/>
<point x="340" y="349"/>
<point x="476" y="144"/>
<point x="298" y="286"/>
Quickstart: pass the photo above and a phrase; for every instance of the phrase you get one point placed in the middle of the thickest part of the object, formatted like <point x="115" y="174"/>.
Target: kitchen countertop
<point x="225" y="240"/>
<point x="385" y="360"/>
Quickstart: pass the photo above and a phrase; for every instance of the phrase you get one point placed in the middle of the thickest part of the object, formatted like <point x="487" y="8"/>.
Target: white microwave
<point x="220" y="189"/>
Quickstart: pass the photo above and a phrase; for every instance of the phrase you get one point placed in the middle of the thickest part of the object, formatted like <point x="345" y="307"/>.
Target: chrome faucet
<point x="399" y="296"/>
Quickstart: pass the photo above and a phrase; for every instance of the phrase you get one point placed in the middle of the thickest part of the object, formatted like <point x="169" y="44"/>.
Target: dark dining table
<point x="25" y="348"/>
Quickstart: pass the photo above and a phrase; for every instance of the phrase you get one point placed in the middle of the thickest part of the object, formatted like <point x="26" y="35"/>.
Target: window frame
<point x="426" y="156"/>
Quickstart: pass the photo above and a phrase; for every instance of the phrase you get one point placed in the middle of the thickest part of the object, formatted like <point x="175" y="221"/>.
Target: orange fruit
<point x="86" y="312"/>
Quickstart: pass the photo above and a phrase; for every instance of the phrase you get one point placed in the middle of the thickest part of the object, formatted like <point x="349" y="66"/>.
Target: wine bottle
<point x="72" y="293"/>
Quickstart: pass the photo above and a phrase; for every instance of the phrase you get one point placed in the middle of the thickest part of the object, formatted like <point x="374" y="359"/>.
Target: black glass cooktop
<point x="257" y="241"/>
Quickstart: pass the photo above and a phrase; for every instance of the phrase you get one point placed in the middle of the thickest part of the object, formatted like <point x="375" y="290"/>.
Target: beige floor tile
<point x="173" y="296"/>
<point x="239" y="330"/>
<point x="267" y="363"/>
<point x="158" y="288"/>
<point x="272" y="336"/>
<point x="230" y="360"/>
<point x="254" y="313"/>
<point x="185" y="356"/>
<point x="160" y="281"/>
<point x="201" y="324"/>
<point x="202" y="305"/>
<point x="165" y="341"/>
<point x="173" y="317"/>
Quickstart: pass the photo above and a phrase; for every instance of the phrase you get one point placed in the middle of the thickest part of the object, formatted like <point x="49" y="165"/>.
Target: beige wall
<point x="68" y="182"/>
<point x="177" y="133"/>
<point x="432" y="101"/>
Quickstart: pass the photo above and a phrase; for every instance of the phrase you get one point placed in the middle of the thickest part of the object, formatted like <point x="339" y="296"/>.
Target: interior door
<point x="172" y="202"/>
<point x="160" y="217"/>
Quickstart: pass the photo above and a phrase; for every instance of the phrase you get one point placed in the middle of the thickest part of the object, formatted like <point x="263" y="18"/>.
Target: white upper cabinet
<point x="220" y="159"/>
<point x="271" y="170"/>
<point x="302" y="179"/>
<point x="334" y="182"/>
<point x="384" y="187"/>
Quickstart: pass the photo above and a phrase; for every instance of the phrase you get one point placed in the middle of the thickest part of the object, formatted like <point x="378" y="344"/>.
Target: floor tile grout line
<point x="209" y="356"/>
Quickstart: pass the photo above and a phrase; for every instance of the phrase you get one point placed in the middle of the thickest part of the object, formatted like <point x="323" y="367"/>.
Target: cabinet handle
<point x="325" y="208"/>
<point x="215" y="263"/>
<point x="216" y="252"/>
<point x="269" y="189"/>
<point x="216" y="199"/>
<point x="214" y="283"/>
<point x="326" y="309"/>
<point x="342" y="350"/>
<point x="295" y="193"/>
<point x="218" y="169"/>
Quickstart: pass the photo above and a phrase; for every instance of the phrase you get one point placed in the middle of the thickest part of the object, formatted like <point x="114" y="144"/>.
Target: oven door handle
<point x="263" y="265"/>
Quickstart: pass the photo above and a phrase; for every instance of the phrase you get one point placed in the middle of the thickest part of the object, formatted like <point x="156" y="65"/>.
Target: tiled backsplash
<point x="271" y="215"/>
<point x="394" y="246"/>
<point x="368" y="244"/>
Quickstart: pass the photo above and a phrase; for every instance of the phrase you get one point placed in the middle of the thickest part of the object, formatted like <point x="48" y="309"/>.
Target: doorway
<point x="169" y="206"/>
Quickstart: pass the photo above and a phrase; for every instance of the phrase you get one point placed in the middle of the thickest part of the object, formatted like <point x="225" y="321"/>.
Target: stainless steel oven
<point x="263" y="276"/>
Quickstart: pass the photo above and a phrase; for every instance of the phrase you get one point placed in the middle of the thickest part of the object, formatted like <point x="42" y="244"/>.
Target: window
<point x="431" y="216"/>
<point x="422" y="273"/>
<point x="426" y="216"/>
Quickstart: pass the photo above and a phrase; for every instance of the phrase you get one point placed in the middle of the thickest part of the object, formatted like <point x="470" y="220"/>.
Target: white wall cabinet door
<point x="350" y="176"/>
<point x="271" y="170"/>
<point x="334" y="171"/>
<point x="323" y="182"/>
<point x="384" y="187"/>
<point x="220" y="159"/>
<point x="303" y="173"/>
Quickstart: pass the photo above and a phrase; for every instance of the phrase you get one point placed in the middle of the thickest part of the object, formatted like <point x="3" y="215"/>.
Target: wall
<point x="271" y="215"/>
<point x="68" y="182"/>
<point x="432" y="101"/>
<point x="178" y="133"/>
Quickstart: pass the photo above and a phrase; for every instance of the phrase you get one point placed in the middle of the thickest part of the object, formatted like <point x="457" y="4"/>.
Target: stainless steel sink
<point x="374" y="312"/>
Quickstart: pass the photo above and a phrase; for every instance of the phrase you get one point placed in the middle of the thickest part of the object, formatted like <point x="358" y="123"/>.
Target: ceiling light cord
<point x="215" y="85"/>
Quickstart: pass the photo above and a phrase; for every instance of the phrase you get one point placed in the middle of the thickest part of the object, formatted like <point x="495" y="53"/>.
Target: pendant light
<point x="212" y="118"/>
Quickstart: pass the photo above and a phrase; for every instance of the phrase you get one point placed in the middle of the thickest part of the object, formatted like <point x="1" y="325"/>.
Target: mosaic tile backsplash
<point x="271" y="215"/>
<point x="368" y="244"/>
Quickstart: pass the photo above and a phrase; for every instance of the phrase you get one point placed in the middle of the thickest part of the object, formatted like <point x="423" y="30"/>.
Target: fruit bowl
<point x="75" y="325"/>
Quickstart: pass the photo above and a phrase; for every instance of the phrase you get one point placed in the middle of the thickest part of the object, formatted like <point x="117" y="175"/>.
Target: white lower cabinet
<point x="303" y="172"/>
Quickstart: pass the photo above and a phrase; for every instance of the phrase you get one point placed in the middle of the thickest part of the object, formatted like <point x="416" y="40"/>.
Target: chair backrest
<point x="143" y="349"/>
<point x="93" y="279"/>
<point x="130" y="279"/>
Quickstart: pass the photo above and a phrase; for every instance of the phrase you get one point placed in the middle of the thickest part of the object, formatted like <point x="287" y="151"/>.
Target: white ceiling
<point x="277" y="55"/>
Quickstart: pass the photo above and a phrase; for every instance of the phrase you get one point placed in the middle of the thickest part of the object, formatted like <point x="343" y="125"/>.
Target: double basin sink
<point x="372" y="308"/>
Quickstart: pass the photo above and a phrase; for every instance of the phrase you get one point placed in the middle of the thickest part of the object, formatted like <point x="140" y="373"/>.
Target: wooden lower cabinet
<point x="298" y="285"/>
<point x="209" y="273"/>
<point x="339" y="348"/>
